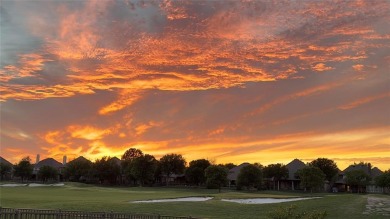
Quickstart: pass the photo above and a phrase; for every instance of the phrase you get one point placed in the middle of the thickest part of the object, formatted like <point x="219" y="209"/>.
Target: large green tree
<point x="46" y="173"/>
<point x="311" y="178"/>
<point x="195" y="172"/>
<point x="5" y="169"/>
<point x="24" y="168"/>
<point x="127" y="162"/>
<point x="132" y="153"/>
<point x="172" y="164"/>
<point x="276" y="172"/>
<point x="357" y="178"/>
<point x="143" y="168"/>
<point x="78" y="170"/>
<point x="250" y="176"/>
<point x="106" y="169"/>
<point x="216" y="177"/>
<point x="329" y="167"/>
<point x="383" y="180"/>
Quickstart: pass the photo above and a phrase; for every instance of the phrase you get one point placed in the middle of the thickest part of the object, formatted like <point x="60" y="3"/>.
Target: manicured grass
<point x="75" y="196"/>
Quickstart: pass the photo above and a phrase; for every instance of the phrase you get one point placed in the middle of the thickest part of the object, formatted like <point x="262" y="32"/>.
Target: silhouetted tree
<point x="106" y="169"/>
<point x="24" y="168"/>
<point x="5" y="169"/>
<point x="127" y="159"/>
<point x="172" y="164"/>
<point x="195" y="172"/>
<point x="329" y="167"/>
<point x="228" y="165"/>
<point x="216" y="177"/>
<point x="357" y="178"/>
<point x="250" y="176"/>
<point x="276" y="172"/>
<point x="47" y="172"/>
<point x="143" y="168"/>
<point x="383" y="180"/>
<point x="132" y="153"/>
<point x="311" y="177"/>
<point x="78" y="169"/>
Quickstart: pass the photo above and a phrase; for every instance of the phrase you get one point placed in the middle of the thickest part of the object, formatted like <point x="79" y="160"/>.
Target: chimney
<point x="37" y="161"/>
<point x="64" y="160"/>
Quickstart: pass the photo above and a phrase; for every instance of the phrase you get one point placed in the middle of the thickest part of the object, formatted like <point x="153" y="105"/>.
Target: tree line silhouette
<point x="137" y="168"/>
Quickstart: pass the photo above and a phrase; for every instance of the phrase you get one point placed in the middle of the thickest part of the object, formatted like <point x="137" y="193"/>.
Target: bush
<point x="291" y="212"/>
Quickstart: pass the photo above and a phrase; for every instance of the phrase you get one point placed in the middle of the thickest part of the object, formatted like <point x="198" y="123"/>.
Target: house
<point x="342" y="186"/>
<point x="173" y="179"/>
<point x="233" y="174"/>
<point x="7" y="175"/>
<point x="292" y="182"/>
<point x="48" y="162"/>
<point x="372" y="188"/>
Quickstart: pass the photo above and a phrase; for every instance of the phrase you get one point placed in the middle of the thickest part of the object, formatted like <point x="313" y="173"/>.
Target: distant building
<point x="342" y="186"/>
<point x="233" y="174"/>
<point x="48" y="162"/>
<point x="8" y="175"/>
<point x="292" y="182"/>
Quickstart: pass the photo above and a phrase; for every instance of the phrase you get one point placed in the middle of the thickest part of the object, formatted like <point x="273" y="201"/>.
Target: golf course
<point x="82" y="197"/>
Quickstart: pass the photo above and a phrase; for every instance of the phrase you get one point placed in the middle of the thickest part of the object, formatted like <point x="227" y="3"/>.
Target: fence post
<point x="17" y="214"/>
<point x="59" y="214"/>
<point x="111" y="215"/>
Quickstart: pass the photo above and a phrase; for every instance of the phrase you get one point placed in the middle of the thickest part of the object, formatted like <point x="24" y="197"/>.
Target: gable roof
<point x="376" y="172"/>
<point x="116" y="160"/>
<point x="81" y="158"/>
<point x="4" y="161"/>
<point x="48" y="162"/>
<point x="233" y="172"/>
<point x="293" y="167"/>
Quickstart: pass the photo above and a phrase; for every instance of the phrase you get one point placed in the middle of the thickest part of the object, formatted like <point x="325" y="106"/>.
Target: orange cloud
<point x="362" y="101"/>
<point x="321" y="67"/>
<point x="358" y="67"/>
<point x="87" y="132"/>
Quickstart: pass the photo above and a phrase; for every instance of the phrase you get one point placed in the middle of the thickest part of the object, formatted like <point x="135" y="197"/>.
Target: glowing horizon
<point x="230" y="81"/>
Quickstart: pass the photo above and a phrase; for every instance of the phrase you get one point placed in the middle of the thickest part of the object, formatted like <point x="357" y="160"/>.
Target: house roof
<point x="374" y="172"/>
<point x="233" y="172"/>
<point x="81" y="158"/>
<point x="49" y="162"/>
<point x="117" y="160"/>
<point x="4" y="161"/>
<point x="293" y="167"/>
<point x="363" y="167"/>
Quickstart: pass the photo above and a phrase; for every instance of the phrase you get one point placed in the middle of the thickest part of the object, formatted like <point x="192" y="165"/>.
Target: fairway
<point x="74" y="196"/>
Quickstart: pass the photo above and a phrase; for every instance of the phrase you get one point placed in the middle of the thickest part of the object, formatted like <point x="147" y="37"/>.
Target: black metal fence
<point x="11" y="213"/>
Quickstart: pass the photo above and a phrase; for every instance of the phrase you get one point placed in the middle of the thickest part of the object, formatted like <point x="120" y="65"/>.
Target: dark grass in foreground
<point x="92" y="198"/>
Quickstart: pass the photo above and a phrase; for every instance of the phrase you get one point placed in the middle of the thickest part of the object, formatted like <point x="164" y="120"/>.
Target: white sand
<point x="39" y="185"/>
<point x="265" y="200"/>
<point x="13" y="185"/>
<point x="187" y="199"/>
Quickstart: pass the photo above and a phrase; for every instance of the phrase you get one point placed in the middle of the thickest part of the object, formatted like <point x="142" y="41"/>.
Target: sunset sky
<point x="230" y="81"/>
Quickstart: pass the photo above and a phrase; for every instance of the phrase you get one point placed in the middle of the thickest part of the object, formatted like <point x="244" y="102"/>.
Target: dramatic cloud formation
<point x="256" y="81"/>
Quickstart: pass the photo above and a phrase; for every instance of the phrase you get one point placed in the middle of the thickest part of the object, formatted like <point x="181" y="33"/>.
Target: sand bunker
<point x="187" y="199"/>
<point x="13" y="185"/>
<point x="265" y="200"/>
<point x="39" y="185"/>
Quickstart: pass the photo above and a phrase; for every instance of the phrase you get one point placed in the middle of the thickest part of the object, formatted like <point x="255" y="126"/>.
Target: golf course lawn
<point x="74" y="196"/>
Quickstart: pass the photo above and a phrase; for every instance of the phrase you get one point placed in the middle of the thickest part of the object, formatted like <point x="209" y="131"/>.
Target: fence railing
<point x="11" y="213"/>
